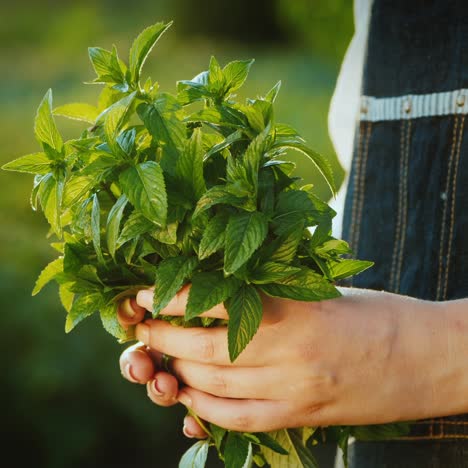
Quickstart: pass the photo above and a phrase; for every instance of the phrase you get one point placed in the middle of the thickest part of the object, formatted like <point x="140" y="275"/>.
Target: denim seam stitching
<point x="452" y="214"/>
<point x="444" y="212"/>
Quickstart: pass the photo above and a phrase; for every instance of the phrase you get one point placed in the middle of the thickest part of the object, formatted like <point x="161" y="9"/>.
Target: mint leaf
<point x="236" y="450"/>
<point x="213" y="236"/>
<point x="298" y="455"/>
<point x="114" y="118"/>
<point x="208" y="290"/>
<point x="273" y="93"/>
<point x="108" y="67"/>
<point x="219" y="115"/>
<point x="48" y="274"/>
<point x="45" y="128"/>
<point x="235" y="73"/>
<point x="218" y="434"/>
<point x="171" y="275"/>
<point x="50" y="196"/>
<point x="110" y="323"/>
<point x="35" y="163"/>
<point x="195" y="456"/>
<point x="145" y="188"/>
<point x="320" y="162"/>
<point x="244" y="235"/>
<point x="267" y="441"/>
<point x="221" y="194"/>
<point x="136" y="225"/>
<point x="189" y="167"/>
<point x="83" y="306"/>
<point x="304" y="285"/>
<point x="271" y="272"/>
<point x="113" y="224"/>
<point x="78" y="111"/>
<point x="167" y="130"/>
<point x="245" y="314"/>
<point x="96" y="228"/>
<point x="346" y="268"/>
<point x="141" y="48"/>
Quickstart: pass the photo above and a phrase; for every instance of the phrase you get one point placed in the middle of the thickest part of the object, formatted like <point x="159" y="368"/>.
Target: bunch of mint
<point x="166" y="189"/>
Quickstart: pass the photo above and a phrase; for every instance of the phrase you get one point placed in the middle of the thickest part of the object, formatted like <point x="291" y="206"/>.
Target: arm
<point x="365" y="358"/>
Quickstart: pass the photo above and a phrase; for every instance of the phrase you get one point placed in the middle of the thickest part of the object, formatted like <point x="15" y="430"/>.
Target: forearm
<point x="433" y="348"/>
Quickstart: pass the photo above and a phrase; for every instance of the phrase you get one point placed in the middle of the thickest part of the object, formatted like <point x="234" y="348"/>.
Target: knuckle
<point x="205" y="347"/>
<point x="241" y="422"/>
<point x="218" y="383"/>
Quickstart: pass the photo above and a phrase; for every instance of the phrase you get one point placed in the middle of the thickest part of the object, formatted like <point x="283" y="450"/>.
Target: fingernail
<point x="127" y="309"/>
<point x="185" y="399"/>
<point x="129" y="374"/>
<point x="142" y="333"/>
<point x="187" y="433"/>
<point x="144" y="298"/>
<point x="155" y="389"/>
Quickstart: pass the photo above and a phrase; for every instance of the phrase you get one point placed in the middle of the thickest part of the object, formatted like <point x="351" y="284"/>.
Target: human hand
<point x="359" y="359"/>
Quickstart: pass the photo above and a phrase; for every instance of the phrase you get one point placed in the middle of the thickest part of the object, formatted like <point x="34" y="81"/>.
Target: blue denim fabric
<point x="407" y="201"/>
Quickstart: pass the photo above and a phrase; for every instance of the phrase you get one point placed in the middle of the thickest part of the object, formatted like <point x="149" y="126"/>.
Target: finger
<point x="237" y="415"/>
<point x="163" y="389"/>
<point x="178" y="304"/>
<point x="130" y="313"/>
<point x="230" y="382"/>
<point x="137" y="364"/>
<point x="192" y="429"/>
<point x="205" y="345"/>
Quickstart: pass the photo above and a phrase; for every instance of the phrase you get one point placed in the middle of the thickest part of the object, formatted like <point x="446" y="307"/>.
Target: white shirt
<point x="344" y="106"/>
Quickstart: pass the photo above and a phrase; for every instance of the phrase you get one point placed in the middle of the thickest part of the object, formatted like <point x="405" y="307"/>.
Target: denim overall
<point x="407" y="200"/>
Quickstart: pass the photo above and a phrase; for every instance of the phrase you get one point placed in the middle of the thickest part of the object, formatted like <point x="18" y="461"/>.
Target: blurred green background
<point x="64" y="401"/>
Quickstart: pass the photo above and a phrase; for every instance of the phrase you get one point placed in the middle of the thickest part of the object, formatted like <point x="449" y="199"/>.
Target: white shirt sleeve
<point x="344" y="106"/>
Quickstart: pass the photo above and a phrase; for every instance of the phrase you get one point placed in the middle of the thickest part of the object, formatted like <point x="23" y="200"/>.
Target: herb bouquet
<point x="167" y="189"/>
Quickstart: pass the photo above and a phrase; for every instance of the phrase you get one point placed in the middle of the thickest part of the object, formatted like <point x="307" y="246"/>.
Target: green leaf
<point x="348" y="267"/>
<point x="96" y="228"/>
<point x="253" y="157"/>
<point x="145" y="188"/>
<point x="114" y="118"/>
<point x="35" y="163"/>
<point x="195" y="456"/>
<point x="171" y="275"/>
<point x="320" y="162"/>
<point x="189" y="167"/>
<point x="267" y="441"/>
<point x="306" y="285"/>
<point x="295" y="206"/>
<point x="236" y="450"/>
<point x="142" y="46"/>
<point x="76" y="188"/>
<point x="222" y="194"/>
<point x="232" y="138"/>
<point x="298" y="455"/>
<point x="235" y="73"/>
<point x="50" y="195"/>
<point x="271" y="272"/>
<point x="245" y="314"/>
<point x="244" y="235"/>
<point x="48" y="274"/>
<point x="113" y="223"/>
<point x="66" y="295"/>
<point x="221" y="115"/>
<point x="287" y="245"/>
<point x="167" y="130"/>
<point x="44" y="125"/>
<point x="215" y="76"/>
<point x="78" y="111"/>
<point x="218" y="434"/>
<point x="110" y="323"/>
<point x="273" y="93"/>
<point x="213" y="236"/>
<point x="83" y="306"/>
<point x="136" y="225"/>
<point x="108" y="67"/>
<point x="208" y="290"/>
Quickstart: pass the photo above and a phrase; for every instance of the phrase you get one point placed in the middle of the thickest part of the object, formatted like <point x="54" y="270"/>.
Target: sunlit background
<point x="64" y="403"/>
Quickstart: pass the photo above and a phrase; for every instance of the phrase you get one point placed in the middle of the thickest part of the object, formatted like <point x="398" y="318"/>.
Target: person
<point x="394" y="347"/>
